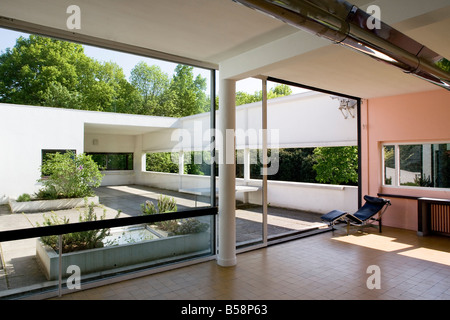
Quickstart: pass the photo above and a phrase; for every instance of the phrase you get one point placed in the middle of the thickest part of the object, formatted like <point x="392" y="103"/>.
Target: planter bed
<point x="49" y="205"/>
<point x="113" y="257"/>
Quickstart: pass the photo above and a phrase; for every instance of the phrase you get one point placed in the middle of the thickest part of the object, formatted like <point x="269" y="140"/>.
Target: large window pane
<point x="113" y="161"/>
<point x="417" y="165"/>
<point x="389" y="165"/>
<point x="94" y="87"/>
<point x="441" y="154"/>
<point x="162" y="162"/>
<point x="411" y="165"/>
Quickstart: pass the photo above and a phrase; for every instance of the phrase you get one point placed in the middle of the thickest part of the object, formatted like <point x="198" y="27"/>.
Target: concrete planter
<point x="49" y="205"/>
<point x="108" y="258"/>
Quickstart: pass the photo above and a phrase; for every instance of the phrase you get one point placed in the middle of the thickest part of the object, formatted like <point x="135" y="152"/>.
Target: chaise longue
<point x="362" y="217"/>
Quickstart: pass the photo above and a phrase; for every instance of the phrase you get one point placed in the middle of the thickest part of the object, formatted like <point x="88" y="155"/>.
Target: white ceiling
<point x="217" y="31"/>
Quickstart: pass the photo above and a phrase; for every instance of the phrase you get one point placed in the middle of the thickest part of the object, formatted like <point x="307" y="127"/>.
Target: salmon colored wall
<point x="419" y="117"/>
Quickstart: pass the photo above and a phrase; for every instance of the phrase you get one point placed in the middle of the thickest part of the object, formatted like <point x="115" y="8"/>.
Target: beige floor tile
<point x="328" y="266"/>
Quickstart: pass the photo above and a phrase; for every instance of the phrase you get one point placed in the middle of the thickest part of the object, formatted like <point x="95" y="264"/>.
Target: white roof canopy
<point x="242" y="41"/>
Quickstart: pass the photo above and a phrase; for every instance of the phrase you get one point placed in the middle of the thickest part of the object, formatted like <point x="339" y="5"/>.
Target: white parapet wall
<point x="312" y="197"/>
<point x="118" y="177"/>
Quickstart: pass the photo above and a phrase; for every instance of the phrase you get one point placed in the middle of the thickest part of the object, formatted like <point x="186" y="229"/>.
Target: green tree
<point x="336" y="165"/>
<point x="152" y="83"/>
<point x="48" y="72"/>
<point x="37" y="67"/>
<point x="295" y="164"/>
<point x="187" y="94"/>
<point x="280" y="90"/>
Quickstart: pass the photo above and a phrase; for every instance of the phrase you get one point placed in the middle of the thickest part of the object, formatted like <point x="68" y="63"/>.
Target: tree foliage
<point x="295" y="164"/>
<point x="152" y="84"/>
<point x="336" y="165"/>
<point x="48" y="72"/>
<point x="188" y="94"/>
<point x="280" y="90"/>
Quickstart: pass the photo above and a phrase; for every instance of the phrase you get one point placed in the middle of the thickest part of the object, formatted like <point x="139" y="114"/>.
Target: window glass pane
<point x="389" y="165"/>
<point x="197" y="162"/>
<point x="411" y="165"/>
<point x="113" y="161"/>
<point x="239" y="163"/>
<point x="256" y="165"/>
<point x="118" y="161"/>
<point x="129" y="161"/>
<point x="162" y="162"/>
<point x="441" y="154"/>
<point x="100" y="159"/>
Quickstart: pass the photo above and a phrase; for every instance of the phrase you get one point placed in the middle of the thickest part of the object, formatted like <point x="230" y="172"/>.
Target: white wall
<point x="311" y="197"/>
<point x="108" y="143"/>
<point x="24" y="132"/>
<point x="308" y="119"/>
<point x="319" y="198"/>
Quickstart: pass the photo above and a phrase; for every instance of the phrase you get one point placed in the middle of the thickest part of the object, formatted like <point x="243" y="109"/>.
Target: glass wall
<point x="125" y="176"/>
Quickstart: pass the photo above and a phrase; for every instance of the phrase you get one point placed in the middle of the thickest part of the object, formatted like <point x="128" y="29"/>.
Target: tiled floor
<point x="330" y="265"/>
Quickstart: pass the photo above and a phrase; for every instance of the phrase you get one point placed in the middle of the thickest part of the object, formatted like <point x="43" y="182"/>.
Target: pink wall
<point x="419" y="117"/>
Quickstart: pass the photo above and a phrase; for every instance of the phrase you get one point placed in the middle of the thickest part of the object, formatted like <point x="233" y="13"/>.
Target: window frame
<point x="396" y="178"/>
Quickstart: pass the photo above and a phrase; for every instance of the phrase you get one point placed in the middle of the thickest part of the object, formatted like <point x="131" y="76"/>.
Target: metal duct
<point x="346" y="24"/>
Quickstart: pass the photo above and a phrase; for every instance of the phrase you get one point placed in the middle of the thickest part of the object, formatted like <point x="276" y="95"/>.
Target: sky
<point x="128" y="61"/>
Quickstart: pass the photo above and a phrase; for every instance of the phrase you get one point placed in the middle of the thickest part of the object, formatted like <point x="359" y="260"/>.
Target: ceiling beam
<point x="28" y="27"/>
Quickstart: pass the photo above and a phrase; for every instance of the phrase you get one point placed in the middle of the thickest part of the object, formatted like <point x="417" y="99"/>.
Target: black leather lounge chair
<point x="363" y="216"/>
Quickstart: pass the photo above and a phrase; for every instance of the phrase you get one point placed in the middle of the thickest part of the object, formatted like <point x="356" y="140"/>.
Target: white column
<point x="227" y="172"/>
<point x="265" y="159"/>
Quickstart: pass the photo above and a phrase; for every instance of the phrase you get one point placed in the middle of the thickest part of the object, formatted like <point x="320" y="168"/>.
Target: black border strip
<point x="290" y="83"/>
<point x="20" y="234"/>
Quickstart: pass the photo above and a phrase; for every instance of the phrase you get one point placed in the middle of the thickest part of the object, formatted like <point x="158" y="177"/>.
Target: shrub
<point x="166" y="204"/>
<point x="191" y="225"/>
<point x="176" y="226"/>
<point x="69" y="176"/>
<point x="78" y="240"/>
<point x="24" y="198"/>
<point x="148" y="208"/>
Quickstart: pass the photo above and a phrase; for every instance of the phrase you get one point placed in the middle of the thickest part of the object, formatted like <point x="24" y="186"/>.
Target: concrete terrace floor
<point x="19" y="268"/>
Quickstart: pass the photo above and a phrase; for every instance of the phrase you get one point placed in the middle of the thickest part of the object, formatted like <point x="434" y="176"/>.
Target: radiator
<point x="440" y="218"/>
